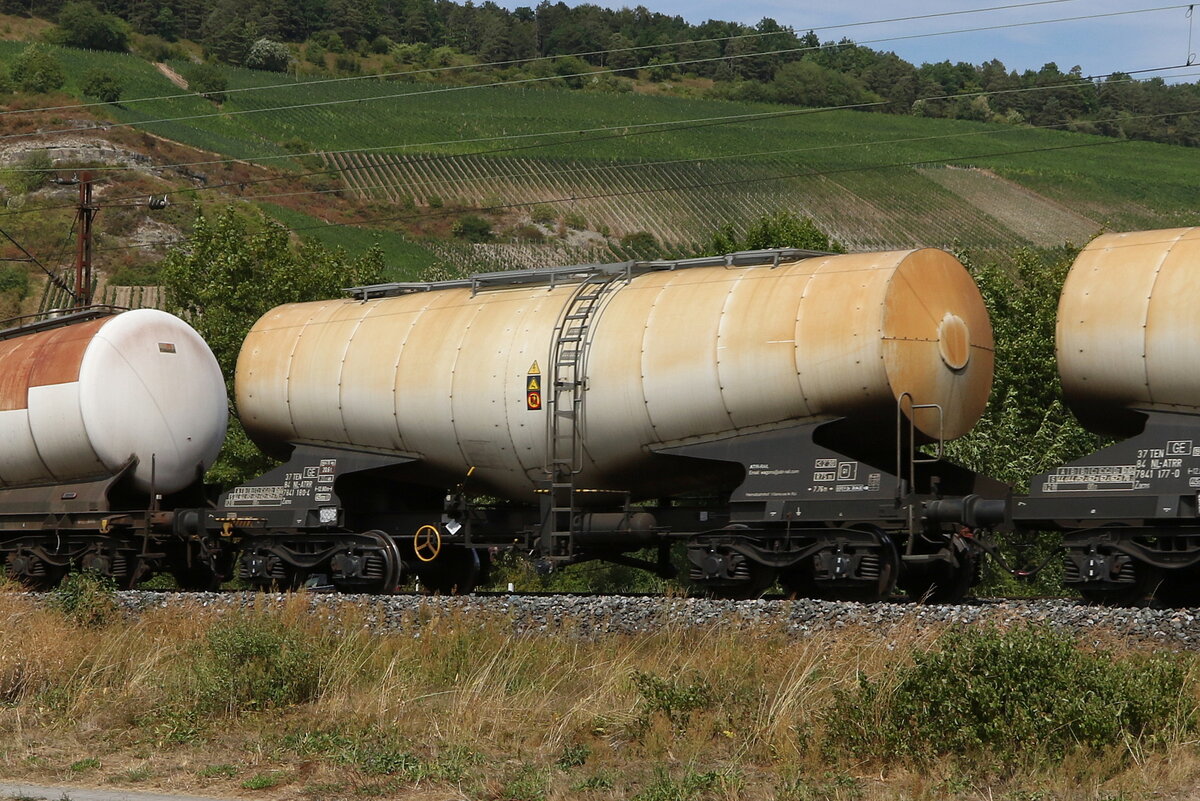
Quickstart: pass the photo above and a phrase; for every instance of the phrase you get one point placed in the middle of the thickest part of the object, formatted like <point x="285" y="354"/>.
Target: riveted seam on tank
<point x="342" y="373"/>
<point x="721" y="320"/>
<point x="1166" y="254"/>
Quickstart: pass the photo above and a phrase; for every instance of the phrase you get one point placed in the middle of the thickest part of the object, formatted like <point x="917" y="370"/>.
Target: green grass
<point x="404" y="259"/>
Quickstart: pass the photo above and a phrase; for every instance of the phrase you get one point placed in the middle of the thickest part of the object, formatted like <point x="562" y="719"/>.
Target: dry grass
<point x="463" y="708"/>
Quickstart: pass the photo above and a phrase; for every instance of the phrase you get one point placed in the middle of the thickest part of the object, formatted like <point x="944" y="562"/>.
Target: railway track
<point x="600" y="615"/>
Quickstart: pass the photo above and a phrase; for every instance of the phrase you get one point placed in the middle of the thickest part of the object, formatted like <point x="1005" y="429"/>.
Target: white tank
<point x="78" y="402"/>
<point x="1128" y="330"/>
<point x="677" y="355"/>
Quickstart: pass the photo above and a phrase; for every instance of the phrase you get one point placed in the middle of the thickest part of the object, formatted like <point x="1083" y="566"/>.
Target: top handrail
<point x="552" y="276"/>
<point x="55" y="318"/>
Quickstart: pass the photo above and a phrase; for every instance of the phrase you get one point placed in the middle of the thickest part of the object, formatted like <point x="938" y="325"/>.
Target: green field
<point x="404" y="259"/>
<point x="869" y="179"/>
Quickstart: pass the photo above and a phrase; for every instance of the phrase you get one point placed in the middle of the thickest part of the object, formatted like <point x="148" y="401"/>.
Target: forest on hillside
<point x="766" y="62"/>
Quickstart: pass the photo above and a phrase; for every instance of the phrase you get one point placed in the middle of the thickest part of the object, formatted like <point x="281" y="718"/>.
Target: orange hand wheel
<point x="427" y="543"/>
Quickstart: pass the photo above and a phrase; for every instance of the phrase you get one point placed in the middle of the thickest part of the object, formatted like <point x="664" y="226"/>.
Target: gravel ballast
<point x="588" y="616"/>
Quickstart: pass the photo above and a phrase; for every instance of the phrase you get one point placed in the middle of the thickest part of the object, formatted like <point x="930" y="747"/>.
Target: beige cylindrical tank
<point x="676" y="356"/>
<point x="79" y="401"/>
<point x="1128" y="330"/>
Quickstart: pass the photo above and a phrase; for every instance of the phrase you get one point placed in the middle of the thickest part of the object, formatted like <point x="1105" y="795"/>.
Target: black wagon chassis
<point x="1129" y="513"/>
<point x="821" y="521"/>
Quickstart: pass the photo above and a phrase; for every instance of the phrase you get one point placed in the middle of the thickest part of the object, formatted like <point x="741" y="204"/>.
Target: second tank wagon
<point x="463" y="375"/>
<point x="765" y="407"/>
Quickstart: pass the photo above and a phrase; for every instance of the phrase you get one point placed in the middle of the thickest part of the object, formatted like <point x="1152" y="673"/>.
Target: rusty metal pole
<point x="83" y="246"/>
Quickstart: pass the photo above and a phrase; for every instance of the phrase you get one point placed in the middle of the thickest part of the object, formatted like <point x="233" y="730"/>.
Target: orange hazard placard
<point x="533" y="388"/>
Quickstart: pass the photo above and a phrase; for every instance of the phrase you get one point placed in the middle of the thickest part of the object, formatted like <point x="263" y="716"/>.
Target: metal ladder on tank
<point x="566" y="389"/>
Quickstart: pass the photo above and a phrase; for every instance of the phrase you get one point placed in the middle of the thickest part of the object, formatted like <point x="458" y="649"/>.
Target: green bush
<point x="250" y="663"/>
<point x="779" y="230"/>
<point x="102" y="85"/>
<point x="1030" y="694"/>
<point x="674" y="697"/>
<point x="14" y="279"/>
<point x="314" y="53"/>
<point x="87" y="599"/>
<point x="269" y="55"/>
<point x="472" y="228"/>
<point x="543" y="215"/>
<point x="156" y="48"/>
<point x="83" y="25"/>
<point x="32" y="172"/>
<point x="641" y="242"/>
<point x="527" y="783"/>
<point x="208" y="80"/>
<point x="35" y="69"/>
<point x="691" y="785"/>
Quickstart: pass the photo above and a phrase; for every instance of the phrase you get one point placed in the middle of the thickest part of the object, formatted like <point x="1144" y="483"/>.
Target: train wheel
<point x="32" y="571"/>
<point x="374" y="570"/>
<point x="1138" y="589"/>
<point x="455" y="571"/>
<point x="759" y="579"/>
<point x="879" y="568"/>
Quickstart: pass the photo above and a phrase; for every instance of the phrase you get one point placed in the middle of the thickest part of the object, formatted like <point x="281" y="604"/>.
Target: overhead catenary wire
<point x="512" y="62"/>
<point x="590" y="73"/>
<point x="50" y="274"/>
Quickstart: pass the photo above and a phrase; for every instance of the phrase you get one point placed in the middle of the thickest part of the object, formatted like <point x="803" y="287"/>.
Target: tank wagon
<point x="1128" y="346"/>
<point x="107" y="420"/>
<point x="765" y="408"/>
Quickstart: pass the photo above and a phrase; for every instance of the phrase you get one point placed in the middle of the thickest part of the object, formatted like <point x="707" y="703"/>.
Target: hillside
<point x="567" y="175"/>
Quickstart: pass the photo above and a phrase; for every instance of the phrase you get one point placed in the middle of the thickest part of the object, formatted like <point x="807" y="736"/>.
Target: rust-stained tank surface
<point x="1128" y="331"/>
<point x="676" y="355"/>
<point x="86" y="399"/>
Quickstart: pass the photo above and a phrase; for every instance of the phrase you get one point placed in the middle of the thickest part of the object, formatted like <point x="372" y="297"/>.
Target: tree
<point x="166" y="24"/>
<point x="779" y="230"/>
<point x="806" y="83"/>
<point x="1026" y="429"/>
<point x="81" y="24"/>
<point x="102" y="85"/>
<point x="36" y="69"/>
<point x="208" y="80"/>
<point x="1022" y="301"/>
<point x="228" y="31"/>
<point x="268" y="55"/>
<point x="233" y="272"/>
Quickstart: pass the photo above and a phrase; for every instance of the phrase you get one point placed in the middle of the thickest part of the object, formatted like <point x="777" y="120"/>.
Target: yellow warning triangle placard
<point x="534" y="370"/>
<point x="532" y="384"/>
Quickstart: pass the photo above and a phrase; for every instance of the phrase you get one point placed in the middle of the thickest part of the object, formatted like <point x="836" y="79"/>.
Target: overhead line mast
<point x="83" y="248"/>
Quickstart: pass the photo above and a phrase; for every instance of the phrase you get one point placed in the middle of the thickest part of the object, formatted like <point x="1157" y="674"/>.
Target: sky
<point x="1099" y="46"/>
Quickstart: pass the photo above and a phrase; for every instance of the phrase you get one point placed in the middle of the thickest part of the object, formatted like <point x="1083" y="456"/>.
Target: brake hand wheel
<point x="427" y="543"/>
